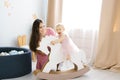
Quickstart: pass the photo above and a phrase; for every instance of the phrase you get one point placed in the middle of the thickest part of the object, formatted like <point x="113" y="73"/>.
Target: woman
<point x="38" y="32"/>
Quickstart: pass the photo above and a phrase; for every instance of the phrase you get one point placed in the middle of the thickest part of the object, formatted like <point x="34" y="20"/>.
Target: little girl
<point x="69" y="49"/>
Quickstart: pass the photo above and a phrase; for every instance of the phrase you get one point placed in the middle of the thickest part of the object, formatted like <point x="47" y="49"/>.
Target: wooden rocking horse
<point x="60" y="75"/>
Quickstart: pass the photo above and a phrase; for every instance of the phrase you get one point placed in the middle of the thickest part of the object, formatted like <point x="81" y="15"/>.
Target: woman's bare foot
<point x="35" y="72"/>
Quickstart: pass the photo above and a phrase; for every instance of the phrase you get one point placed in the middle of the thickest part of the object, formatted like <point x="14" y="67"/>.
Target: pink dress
<point x="68" y="47"/>
<point x="42" y="60"/>
<point x="77" y="56"/>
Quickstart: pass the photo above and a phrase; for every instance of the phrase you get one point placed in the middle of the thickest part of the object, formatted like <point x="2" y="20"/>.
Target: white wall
<point x="16" y="18"/>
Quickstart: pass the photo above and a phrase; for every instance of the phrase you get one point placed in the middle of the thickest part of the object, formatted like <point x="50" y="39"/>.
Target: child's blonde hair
<point x="60" y="25"/>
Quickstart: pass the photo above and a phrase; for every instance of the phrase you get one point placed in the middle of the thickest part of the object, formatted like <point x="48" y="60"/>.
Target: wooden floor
<point x="93" y="74"/>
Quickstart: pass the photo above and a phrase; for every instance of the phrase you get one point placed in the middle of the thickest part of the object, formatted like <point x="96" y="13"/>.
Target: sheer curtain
<point x="81" y="19"/>
<point x="108" y="52"/>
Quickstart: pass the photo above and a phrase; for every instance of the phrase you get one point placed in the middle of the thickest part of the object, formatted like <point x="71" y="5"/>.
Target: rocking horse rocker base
<point x="58" y="75"/>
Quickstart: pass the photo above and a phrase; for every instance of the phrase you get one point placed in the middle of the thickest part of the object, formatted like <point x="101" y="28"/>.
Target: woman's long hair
<point x="35" y="35"/>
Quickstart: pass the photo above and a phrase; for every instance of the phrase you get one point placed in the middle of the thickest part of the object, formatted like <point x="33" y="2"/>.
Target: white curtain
<point x="81" y="19"/>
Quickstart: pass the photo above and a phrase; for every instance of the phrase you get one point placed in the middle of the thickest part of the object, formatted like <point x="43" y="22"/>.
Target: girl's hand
<point x="52" y="42"/>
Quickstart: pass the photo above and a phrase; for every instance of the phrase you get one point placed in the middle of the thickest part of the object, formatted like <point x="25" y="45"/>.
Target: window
<point x="81" y="19"/>
<point x="83" y="14"/>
